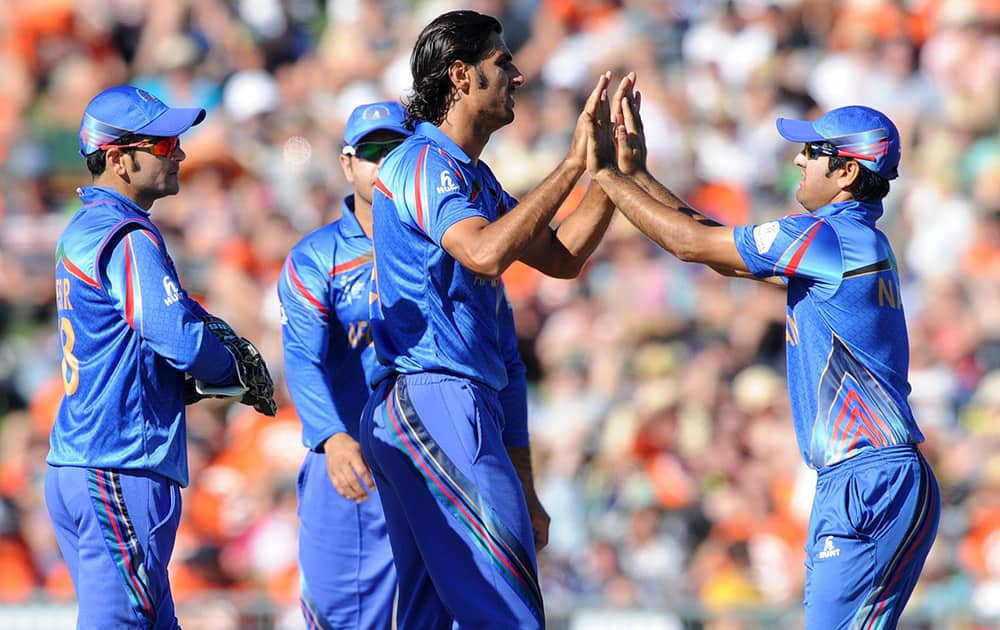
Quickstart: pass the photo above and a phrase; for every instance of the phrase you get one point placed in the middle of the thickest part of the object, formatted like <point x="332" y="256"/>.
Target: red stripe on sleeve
<point x="417" y="188"/>
<point x="129" y="286"/>
<point x="303" y="291"/>
<point x="793" y="264"/>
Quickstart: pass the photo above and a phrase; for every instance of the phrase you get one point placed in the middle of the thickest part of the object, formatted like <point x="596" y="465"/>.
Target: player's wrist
<point x="573" y="164"/>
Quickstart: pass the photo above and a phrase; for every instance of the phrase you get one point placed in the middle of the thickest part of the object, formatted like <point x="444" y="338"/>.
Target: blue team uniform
<point x="847" y="356"/>
<point x="348" y="579"/>
<point x="435" y="430"/>
<point x="118" y="453"/>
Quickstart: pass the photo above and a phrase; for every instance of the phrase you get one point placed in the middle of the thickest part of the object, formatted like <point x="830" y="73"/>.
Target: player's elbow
<point x="485" y="264"/>
<point x="686" y="254"/>
<point x="566" y="269"/>
<point x="688" y="245"/>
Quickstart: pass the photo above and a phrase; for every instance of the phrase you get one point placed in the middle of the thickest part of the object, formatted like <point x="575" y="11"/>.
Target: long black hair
<point x="456" y="35"/>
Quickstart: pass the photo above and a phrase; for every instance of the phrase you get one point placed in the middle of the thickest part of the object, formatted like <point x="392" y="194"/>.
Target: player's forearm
<point x="661" y="218"/>
<point x="577" y="236"/>
<point x="520" y="457"/>
<point x="662" y="194"/>
<point x="309" y="384"/>
<point x="505" y="240"/>
<point x="316" y="409"/>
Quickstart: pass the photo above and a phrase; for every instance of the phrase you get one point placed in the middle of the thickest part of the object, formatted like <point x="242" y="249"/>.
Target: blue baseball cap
<point x="858" y="132"/>
<point x="125" y="109"/>
<point x="381" y="116"/>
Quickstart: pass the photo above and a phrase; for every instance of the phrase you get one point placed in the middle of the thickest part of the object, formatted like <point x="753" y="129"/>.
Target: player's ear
<point x="115" y="161"/>
<point x="460" y="74"/>
<point x="345" y="165"/>
<point x="849" y="173"/>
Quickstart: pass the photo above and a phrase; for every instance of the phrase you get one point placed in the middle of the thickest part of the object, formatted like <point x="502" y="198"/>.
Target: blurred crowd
<point x="662" y="436"/>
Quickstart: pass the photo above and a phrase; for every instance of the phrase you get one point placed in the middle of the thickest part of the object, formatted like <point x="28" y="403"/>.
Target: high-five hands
<point x="577" y="155"/>
<point x="600" y="131"/>
<point x="629" y="138"/>
<point x="615" y="138"/>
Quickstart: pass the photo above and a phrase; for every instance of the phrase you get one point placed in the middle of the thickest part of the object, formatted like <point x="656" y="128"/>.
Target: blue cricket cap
<point x="381" y="116"/>
<point x="858" y="132"/>
<point x="125" y="109"/>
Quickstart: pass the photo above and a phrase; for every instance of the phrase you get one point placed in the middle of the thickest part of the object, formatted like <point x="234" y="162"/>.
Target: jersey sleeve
<point x="801" y="246"/>
<point x="436" y="193"/>
<point x="514" y="397"/>
<point x="145" y="289"/>
<point x="305" y="333"/>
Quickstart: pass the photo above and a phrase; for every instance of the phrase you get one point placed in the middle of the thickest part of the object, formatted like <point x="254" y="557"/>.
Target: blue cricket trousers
<point x="458" y="522"/>
<point x="116" y="530"/>
<point x="873" y="521"/>
<point x="345" y="561"/>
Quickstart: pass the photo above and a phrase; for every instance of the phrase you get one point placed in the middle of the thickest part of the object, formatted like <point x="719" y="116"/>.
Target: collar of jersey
<point x="90" y="194"/>
<point x="349" y="224"/>
<point x="871" y="210"/>
<point x="441" y="139"/>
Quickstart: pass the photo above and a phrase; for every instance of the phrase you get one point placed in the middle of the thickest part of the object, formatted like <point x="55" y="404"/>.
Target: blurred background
<point x="661" y="429"/>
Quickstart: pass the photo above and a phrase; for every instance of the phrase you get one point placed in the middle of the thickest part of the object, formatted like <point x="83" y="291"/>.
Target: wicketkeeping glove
<point x="251" y="370"/>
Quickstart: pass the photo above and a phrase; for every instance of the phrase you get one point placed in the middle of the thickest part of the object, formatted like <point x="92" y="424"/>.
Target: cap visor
<point x="173" y="122"/>
<point x="798" y="130"/>
<point x="356" y="138"/>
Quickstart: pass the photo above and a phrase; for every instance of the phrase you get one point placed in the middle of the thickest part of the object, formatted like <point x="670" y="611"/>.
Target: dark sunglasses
<point x="372" y="151"/>
<point x="162" y="147"/>
<point x="813" y="150"/>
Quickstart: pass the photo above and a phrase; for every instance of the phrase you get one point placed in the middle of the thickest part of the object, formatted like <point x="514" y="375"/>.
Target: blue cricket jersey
<point x="431" y="314"/>
<point x="324" y="291"/>
<point x="846" y="339"/>
<point x="129" y="333"/>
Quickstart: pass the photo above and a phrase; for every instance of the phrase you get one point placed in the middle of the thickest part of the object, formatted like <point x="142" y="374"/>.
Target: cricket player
<point x="877" y="502"/>
<point x="445" y="432"/>
<point x="129" y="335"/>
<point x="348" y="579"/>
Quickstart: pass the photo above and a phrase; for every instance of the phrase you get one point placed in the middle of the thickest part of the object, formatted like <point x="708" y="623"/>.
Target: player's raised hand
<point x="577" y="155"/>
<point x="629" y="137"/>
<point x="600" y="132"/>
<point x="347" y="468"/>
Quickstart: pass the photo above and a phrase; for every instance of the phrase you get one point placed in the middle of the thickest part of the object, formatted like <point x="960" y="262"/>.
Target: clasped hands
<point x="609" y="135"/>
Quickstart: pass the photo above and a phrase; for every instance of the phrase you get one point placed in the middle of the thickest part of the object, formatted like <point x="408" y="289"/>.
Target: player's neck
<point x="124" y="188"/>
<point x="466" y="131"/>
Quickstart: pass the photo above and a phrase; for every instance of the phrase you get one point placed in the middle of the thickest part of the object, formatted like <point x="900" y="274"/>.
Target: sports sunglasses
<point x="372" y="151"/>
<point x="160" y="147"/>
<point x="813" y="150"/>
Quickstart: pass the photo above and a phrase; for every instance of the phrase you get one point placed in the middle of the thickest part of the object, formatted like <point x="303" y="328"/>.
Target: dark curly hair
<point x="456" y="35"/>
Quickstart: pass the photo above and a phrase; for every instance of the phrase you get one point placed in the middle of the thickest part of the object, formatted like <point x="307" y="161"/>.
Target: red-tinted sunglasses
<point x="163" y="147"/>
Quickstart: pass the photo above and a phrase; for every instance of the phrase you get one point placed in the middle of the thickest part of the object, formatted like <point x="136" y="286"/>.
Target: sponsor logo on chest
<point x="829" y="551"/>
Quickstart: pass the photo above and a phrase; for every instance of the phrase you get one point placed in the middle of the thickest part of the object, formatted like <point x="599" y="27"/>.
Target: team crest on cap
<point x="376" y="112"/>
<point x="146" y="96"/>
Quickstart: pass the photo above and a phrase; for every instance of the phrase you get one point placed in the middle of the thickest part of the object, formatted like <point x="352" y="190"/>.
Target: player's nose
<point x="517" y="78"/>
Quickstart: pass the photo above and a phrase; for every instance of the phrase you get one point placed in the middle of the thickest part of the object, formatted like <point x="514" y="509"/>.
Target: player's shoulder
<point x="803" y="222"/>
<point x="416" y="153"/>
<point x="96" y="225"/>
<point x="317" y="244"/>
